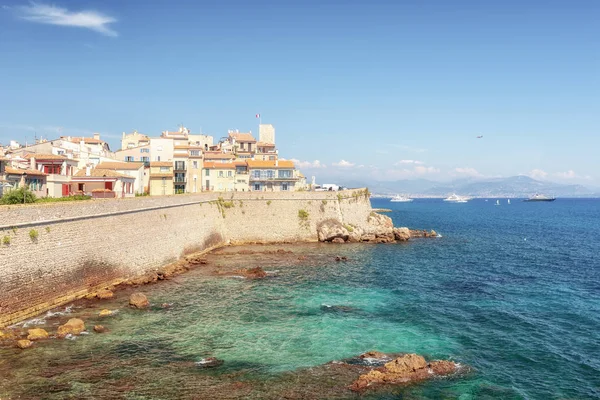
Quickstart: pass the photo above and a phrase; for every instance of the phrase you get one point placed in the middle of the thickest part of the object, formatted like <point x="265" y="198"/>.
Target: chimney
<point x="97" y="136"/>
<point x="123" y="135"/>
<point x="88" y="170"/>
<point x="32" y="163"/>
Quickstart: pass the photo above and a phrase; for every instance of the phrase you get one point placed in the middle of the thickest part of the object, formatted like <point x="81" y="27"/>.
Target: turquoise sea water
<point x="513" y="291"/>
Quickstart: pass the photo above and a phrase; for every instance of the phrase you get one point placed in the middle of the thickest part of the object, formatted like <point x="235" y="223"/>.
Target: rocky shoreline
<point x="379" y="229"/>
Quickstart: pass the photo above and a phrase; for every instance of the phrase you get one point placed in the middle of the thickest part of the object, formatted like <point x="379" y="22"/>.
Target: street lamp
<point x="104" y="186"/>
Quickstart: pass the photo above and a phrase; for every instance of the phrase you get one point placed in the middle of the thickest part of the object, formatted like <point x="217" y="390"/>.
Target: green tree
<point x="18" y="196"/>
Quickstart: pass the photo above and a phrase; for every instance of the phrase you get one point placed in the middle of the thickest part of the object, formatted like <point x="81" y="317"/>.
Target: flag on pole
<point x="257" y="115"/>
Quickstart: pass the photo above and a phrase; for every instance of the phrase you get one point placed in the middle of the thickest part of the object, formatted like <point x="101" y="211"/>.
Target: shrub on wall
<point x="33" y="234"/>
<point x="6" y="240"/>
<point x="18" y="196"/>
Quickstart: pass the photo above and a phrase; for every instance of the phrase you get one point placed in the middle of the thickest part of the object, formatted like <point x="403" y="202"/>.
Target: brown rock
<point x="330" y="229"/>
<point x="99" y="329"/>
<point x="37" y="334"/>
<point x="367" y="237"/>
<point x="442" y="367"/>
<point x="302" y="258"/>
<point x="373" y="354"/>
<point x="105" y="313"/>
<point x="401" y="234"/>
<point x="138" y="300"/>
<point x="379" y="225"/>
<point x="368" y="379"/>
<point x="23" y="344"/>
<point x="433" y="233"/>
<point x="338" y="240"/>
<point x="105" y="294"/>
<point x="74" y="326"/>
<point x="406" y="364"/>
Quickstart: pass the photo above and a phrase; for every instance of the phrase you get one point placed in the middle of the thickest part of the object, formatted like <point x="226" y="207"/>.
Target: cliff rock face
<point x="401" y="234"/>
<point x="331" y="229"/>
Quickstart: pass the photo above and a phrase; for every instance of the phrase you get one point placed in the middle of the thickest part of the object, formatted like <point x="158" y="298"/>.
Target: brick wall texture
<point x="54" y="253"/>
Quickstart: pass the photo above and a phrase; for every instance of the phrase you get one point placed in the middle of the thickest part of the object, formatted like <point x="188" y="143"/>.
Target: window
<point x="284" y="186"/>
<point x="229" y="174"/>
<point x="257" y="186"/>
<point x="194" y="152"/>
<point x="144" y="150"/>
<point x="129" y="158"/>
<point x="130" y="145"/>
<point x="145" y="159"/>
<point x="220" y="174"/>
<point x="164" y="169"/>
<point x="256" y="174"/>
<point x="179" y="165"/>
<point x="270" y="173"/>
<point x="285" y="174"/>
<point x="157" y="158"/>
<point x="207" y="173"/>
<point x="195" y="164"/>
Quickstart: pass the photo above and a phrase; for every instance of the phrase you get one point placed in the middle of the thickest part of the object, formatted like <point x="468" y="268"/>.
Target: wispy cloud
<point x="404" y="162"/>
<point x="316" y="164"/>
<point x="343" y="164"/>
<point x="466" y="172"/>
<point x="537" y="174"/>
<point x="409" y="148"/>
<point x="53" y="15"/>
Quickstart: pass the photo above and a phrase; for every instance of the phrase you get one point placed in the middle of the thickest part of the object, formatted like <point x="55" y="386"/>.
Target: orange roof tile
<point x="45" y="156"/>
<point x="85" y="139"/>
<point x="120" y="165"/>
<point x="161" y="164"/>
<point x="242" y="137"/>
<point x="218" y="156"/>
<point x="19" y="171"/>
<point x="270" y="164"/>
<point x="217" y="165"/>
<point x="101" y="173"/>
<point x="160" y="175"/>
<point x="265" y="144"/>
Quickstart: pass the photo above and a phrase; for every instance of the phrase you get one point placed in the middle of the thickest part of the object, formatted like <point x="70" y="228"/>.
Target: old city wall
<point x="53" y="253"/>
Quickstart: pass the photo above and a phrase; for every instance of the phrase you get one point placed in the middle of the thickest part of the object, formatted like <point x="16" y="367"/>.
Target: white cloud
<point x="409" y="148"/>
<point x="343" y="164"/>
<point x="53" y="15"/>
<point x="537" y="174"/>
<point x="466" y="172"/>
<point x="421" y="170"/>
<point x="403" y="162"/>
<point x="308" y="164"/>
<point x="570" y="174"/>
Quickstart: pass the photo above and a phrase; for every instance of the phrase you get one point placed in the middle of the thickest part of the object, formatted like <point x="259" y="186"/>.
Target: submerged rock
<point x="252" y="273"/>
<point x="138" y="300"/>
<point x="37" y="334"/>
<point x="74" y="326"/>
<point x="24" y="343"/>
<point x="209" y="362"/>
<point x="105" y="294"/>
<point x="337" y="308"/>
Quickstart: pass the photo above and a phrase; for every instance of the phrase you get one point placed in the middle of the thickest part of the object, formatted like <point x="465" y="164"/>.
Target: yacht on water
<point x="454" y="198"/>
<point x="401" y="199"/>
<point x="540" y="197"/>
<point x="508" y="201"/>
<point x="497" y="202"/>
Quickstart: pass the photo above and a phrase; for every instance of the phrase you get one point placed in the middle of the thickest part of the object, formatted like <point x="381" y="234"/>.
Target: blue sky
<point x="379" y="90"/>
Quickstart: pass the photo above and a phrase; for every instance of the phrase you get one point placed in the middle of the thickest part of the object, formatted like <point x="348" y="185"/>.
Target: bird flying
<point x="479" y="137"/>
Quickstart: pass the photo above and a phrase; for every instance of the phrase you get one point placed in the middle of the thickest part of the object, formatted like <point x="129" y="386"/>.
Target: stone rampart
<point x="53" y="253"/>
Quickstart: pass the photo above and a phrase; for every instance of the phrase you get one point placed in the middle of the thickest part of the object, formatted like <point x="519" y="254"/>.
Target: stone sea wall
<point x="53" y="253"/>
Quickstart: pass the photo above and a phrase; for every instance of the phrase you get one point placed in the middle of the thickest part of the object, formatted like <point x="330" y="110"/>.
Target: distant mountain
<point x="514" y="186"/>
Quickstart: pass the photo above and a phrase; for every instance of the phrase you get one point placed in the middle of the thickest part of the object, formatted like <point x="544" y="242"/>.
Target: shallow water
<point x="512" y="291"/>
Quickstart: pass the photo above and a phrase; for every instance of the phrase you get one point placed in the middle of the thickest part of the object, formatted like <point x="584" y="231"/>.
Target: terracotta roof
<point x="19" y="171"/>
<point x="120" y="165"/>
<point x="181" y="146"/>
<point x="216" y="165"/>
<point x="265" y="144"/>
<point x="270" y="164"/>
<point x="240" y="163"/>
<point x="161" y="164"/>
<point x="85" y="139"/>
<point x="218" y="156"/>
<point x="160" y="175"/>
<point x="45" y="156"/>
<point x="243" y="137"/>
<point x="101" y="173"/>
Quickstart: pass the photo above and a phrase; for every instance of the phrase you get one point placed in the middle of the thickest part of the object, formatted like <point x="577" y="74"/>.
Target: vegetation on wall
<point x="33" y="235"/>
<point x="25" y="196"/>
<point x="6" y="240"/>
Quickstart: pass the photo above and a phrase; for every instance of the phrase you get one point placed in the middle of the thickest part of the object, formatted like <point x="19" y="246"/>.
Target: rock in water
<point x="442" y="367"/>
<point x="105" y="294"/>
<point x="138" y="300"/>
<point x="37" y="334"/>
<point x="401" y="234"/>
<point x="74" y="326"/>
<point x="99" y="329"/>
<point x="331" y="229"/>
<point x="338" y="240"/>
<point x="23" y="344"/>
<point x="406" y="364"/>
<point x="105" y="313"/>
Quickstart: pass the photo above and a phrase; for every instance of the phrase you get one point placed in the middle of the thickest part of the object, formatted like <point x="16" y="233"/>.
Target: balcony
<point x="180" y="179"/>
<point x="179" y="166"/>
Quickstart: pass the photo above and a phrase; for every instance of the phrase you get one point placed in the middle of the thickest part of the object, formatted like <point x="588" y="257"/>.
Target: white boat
<point x="401" y="199"/>
<point x="508" y="201"/>
<point x="497" y="202"/>
<point x="454" y="198"/>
